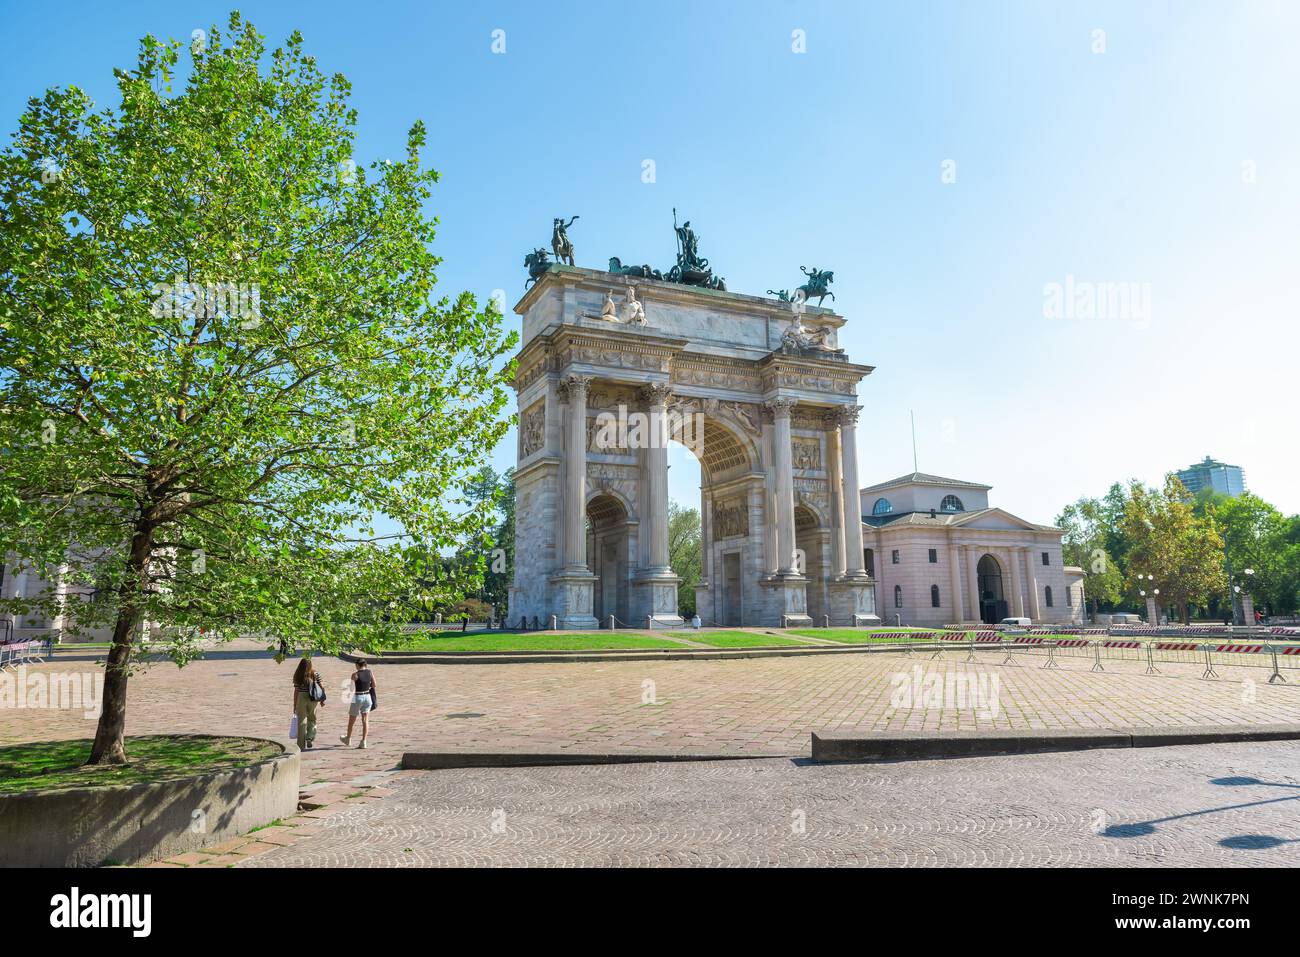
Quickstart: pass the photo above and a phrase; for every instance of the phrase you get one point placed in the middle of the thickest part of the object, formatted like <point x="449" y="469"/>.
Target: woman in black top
<point x="363" y="701"/>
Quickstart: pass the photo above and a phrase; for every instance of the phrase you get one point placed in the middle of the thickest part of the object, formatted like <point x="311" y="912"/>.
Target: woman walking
<point x="307" y="694"/>
<point x="364" y="698"/>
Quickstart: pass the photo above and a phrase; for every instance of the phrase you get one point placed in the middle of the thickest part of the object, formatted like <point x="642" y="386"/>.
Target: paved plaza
<point x="761" y="706"/>
<point x="1215" y="805"/>
<point x="987" y="810"/>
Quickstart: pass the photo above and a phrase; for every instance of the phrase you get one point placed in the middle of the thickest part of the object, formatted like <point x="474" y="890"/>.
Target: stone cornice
<point x="619" y="349"/>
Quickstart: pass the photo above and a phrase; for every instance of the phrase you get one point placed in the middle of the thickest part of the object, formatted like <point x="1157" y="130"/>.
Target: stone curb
<point x="666" y="654"/>
<point x="830" y="746"/>
<point x="448" y="760"/>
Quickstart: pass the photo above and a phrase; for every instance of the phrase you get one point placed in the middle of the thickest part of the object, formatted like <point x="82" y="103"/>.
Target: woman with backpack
<point x="307" y="695"/>
<point x="364" y="700"/>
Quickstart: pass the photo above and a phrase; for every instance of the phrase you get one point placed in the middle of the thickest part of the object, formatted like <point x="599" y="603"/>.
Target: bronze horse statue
<point x="818" y="284"/>
<point x="537" y="262"/>
<point x="561" y="245"/>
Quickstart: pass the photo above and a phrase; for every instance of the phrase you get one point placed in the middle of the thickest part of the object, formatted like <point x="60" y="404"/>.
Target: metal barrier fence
<point x="15" y="653"/>
<point x="1273" y="655"/>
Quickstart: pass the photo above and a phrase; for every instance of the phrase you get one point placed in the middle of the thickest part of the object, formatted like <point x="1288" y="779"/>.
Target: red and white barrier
<point x="1241" y="649"/>
<point x="1117" y="643"/>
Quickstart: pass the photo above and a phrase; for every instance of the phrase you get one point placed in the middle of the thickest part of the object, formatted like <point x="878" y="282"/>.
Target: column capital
<point x="780" y="407"/>
<point x="575" y="386"/>
<point x="655" y="393"/>
<point x="847" y="415"/>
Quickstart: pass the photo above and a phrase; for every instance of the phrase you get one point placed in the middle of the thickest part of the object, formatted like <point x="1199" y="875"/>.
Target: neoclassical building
<point x="939" y="554"/>
<point x="757" y="388"/>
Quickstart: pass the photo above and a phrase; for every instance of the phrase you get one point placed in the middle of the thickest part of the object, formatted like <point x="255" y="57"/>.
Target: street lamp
<point x="1247" y="602"/>
<point x="1152" y="600"/>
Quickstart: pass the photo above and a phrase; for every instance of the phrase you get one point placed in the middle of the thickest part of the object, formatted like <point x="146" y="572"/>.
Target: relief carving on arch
<point x="532" y="429"/>
<point x="730" y="518"/>
<point x="806" y="453"/>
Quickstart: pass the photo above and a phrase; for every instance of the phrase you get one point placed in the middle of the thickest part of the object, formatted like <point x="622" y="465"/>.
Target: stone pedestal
<point x="1153" y="613"/>
<point x="1247" y="609"/>
<point x="791" y="605"/>
<point x="572" y="600"/>
<point x="853" y="598"/>
<point x="704" y="603"/>
<point x="657" y="600"/>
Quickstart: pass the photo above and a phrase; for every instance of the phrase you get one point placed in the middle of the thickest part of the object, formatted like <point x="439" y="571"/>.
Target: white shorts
<point x="360" y="704"/>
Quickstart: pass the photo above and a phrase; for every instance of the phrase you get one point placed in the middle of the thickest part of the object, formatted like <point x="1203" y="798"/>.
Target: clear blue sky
<point x="1122" y="166"/>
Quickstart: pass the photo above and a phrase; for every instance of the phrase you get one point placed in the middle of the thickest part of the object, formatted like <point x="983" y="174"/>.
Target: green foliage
<point x="1255" y="535"/>
<point x="1085" y="544"/>
<point x="1259" y="537"/>
<point x="1183" y="551"/>
<point x="684" y="554"/>
<point x="221" y="362"/>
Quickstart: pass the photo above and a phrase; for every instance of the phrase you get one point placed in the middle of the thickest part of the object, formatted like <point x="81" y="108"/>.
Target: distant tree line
<point x="1187" y="544"/>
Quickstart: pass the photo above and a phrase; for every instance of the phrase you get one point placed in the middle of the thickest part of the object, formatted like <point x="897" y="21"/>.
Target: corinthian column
<point x="1034" y="611"/>
<point x="954" y="578"/>
<point x="834" y="474"/>
<point x="783" y="463"/>
<point x="656" y="399"/>
<point x="1017" y="599"/>
<point x="575" y="485"/>
<point x="975" y="606"/>
<point x="852" y="499"/>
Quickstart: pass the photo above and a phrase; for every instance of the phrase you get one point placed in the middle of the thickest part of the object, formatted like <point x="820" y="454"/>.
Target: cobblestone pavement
<point x="1213" y="805"/>
<point x="747" y="707"/>
<point x="763" y="706"/>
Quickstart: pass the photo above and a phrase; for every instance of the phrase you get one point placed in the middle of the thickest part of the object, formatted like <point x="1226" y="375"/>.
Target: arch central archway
<point x="725" y="460"/>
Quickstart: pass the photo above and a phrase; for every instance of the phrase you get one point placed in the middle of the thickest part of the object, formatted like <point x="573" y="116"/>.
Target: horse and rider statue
<point x="818" y="285"/>
<point x="538" y="261"/>
<point x="561" y="245"/>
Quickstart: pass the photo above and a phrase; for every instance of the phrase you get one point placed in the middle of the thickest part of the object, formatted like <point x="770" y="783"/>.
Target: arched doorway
<point x="993" y="605"/>
<point x="808" y="541"/>
<point x="608" y="552"/>
<point x="725" y="465"/>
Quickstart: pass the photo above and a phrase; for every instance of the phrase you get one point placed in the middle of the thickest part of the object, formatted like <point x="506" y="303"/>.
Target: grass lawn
<point x="533" y="641"/>
<point x="855" y="636"/>
<point x="737" y="639"/>
<point x="58" y="764"/>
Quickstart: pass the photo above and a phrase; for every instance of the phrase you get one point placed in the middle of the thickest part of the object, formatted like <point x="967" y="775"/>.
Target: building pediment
<point x="997" y="518"/>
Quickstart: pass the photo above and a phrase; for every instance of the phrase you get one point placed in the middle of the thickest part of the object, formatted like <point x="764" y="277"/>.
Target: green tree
<point x="1256" y="536"/>
<point x="1085" y="544"/>
<point x="500" y="572"/>
<point x="684" y="554"/>
<point x="1168" y="540"/>
<point x="223" y="371"/>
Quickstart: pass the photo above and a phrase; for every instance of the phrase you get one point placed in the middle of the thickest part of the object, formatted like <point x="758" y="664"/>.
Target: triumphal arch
<point x="616" y="363"/>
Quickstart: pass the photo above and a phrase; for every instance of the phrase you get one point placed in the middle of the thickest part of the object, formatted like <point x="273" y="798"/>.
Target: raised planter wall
<point x="85" y="827"/>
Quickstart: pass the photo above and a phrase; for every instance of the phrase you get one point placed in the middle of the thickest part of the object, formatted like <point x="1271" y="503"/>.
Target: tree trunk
<point x="110" y="745"/>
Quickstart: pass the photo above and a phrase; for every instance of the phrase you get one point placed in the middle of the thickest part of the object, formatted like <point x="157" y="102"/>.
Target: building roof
<point x="1209" y="463"/>
<point x="921" y="478"/>
<point x="939" y="519"/>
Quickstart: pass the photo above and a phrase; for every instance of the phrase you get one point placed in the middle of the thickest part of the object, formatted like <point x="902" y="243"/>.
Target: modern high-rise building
<point x="1227" y="479"/>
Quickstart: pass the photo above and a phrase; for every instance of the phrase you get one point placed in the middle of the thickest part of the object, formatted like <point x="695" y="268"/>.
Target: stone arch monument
<point x="755" y="387"/>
